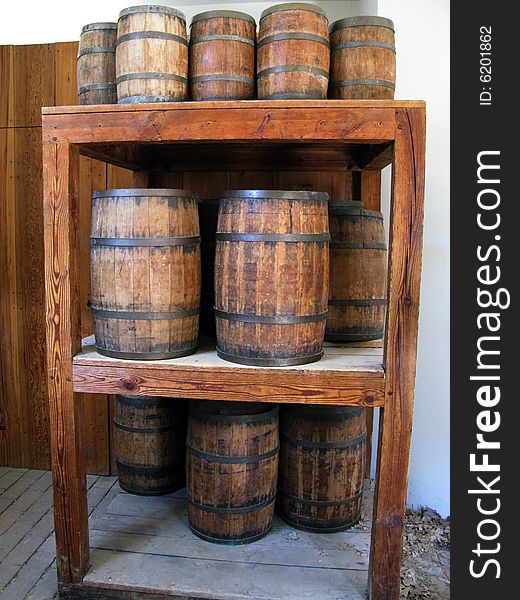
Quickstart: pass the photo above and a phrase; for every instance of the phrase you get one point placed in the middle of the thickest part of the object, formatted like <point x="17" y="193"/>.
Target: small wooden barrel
<point x="231" y="470"/>
<point x="151" y="55"/>
<point x="358" y="267"/>
<point x="97" y="64"/>
<point x="150" y="444"/>
<point x="322" y="454"/>
<point x="208" y="216"/>
<point x="145" y="272"/>
<point x="271" y="277"/>
<point x="222" y="56"/>
<point x="293" y="54"/>
<point x="362" y="58"/>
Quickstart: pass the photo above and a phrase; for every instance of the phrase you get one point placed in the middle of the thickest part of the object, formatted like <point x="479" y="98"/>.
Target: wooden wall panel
<point x="6" y="86"/>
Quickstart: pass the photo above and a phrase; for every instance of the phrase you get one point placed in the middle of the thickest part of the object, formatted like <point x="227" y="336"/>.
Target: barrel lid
<point x="152" y="8"/>
<point x="232" y="411"/>
<point x="97" y="26"/>
<point x="293" y="6"/>
<point x="321" y="410"/>
<point x="352" y="207"/>
<point x="362" y="21"/>
<point x="231" y="14"/>
<point x="132" y="192"/>
<point x="297" y="195"/>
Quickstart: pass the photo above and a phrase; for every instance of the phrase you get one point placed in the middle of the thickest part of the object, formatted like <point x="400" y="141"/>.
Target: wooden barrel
<point x="151" y="55"/>
<point x="208" y="216"/>
<point x="231" y="470"/>
<point x="358" y="267"/>
<point x="222" y="56"/>
<point x="97" y="64"/>
<point x="362" y="58"/>
<point x="145" y="273"/>
<point x="322" y="454"/>
<point x="271" y="277"/>
<point x="293" y="54"/>
<point x="150" y="444"/>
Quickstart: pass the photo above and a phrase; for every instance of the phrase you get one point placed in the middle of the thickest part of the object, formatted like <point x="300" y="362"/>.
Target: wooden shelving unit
<point x="206" y="136"/>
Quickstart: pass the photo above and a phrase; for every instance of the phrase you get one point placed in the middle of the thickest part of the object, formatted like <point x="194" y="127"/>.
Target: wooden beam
<point x="128" y="156"/>
<point x="400" y="354"/>
<point x="61" y="201"/>
<point x="374" y="157"/>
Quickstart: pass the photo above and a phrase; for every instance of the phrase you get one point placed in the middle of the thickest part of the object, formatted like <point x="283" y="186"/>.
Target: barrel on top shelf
<point x="150" y="444"/>
<point x="358" y="271"/>
<point x="362" y="58"/>
<point x="231" y="470"/>
<point x="322" y="454"/>
<point x="271" y="276"/>
<point x="145" y="273"/>
<point x="151" y="55"/>
<point x="222" y="56"/>
<point x="97" y="64"/>
<point x="293" y="54"/>
<point x="208" y="216"/>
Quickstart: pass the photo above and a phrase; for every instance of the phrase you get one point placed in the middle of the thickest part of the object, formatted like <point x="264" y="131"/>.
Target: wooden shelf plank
<point x="346" y="375"/>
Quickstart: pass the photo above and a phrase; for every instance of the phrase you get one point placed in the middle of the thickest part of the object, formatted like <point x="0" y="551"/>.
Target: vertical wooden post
<point x="61" y="201"/>
<point x="400" y="354"/>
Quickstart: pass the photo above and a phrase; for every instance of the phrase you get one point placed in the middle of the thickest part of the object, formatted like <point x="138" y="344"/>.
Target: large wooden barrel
<point x="97" y="64"/>
<point x="208" y="216"/>
<point x="222" y="56"/>
<point x="271" y="276"/>
<point x="231" y="470"/>
<point x="151" y="55"/>
<point x="293" y="54"/>
<point x="358" y="268"/>
<point x="150" y="444"/>
<point x="362" y="58"/>
<point x="322" y="454"/>
<point x="145" y="273"/>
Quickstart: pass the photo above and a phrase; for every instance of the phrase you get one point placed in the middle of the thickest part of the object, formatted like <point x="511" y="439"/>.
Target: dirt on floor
<point x="425" y="572"/>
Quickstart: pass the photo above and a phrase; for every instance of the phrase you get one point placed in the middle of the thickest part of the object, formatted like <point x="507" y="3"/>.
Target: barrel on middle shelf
<point x="271" y="276"/>
<point x="222" y="56"/>
<point x="145" y="273"/>
<point x="293" y="54"/>
<point x="322" y="455"/>
<point x="231" y="470"/>
<point x="150" y="444"/>
<point x="358" y="268"/>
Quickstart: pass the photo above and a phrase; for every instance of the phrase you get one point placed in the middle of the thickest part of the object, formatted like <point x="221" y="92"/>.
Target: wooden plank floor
<point x="144" y="544"/>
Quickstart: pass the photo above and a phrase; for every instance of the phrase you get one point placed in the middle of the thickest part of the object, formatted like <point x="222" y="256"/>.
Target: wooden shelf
<point x="347" y="375"/>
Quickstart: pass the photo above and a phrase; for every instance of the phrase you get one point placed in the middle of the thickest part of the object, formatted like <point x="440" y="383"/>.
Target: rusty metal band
<point x="293" y="6"/>
<point x="158" y="242"/>
<point x="310" y="95"/>
<point x="293" y="68"/>
<point x="148" y="99"/>
<point x="221" y="37"/>
<point x="151" y="75"/>
<point x="275" y="320"/>
<point x="231" y="509"/>
<point x="352" y="82"/>
<point x="344" y="527"/>
<point x="363" y="44"/>
<point x="146" y="355"/>
<point x="323" y="411"/>
<point x="362" y="22"/>
<point x="232" y="460"/>
<point x="99" y="27"/>
<point x="222" y="77"/>
<point x="269" y="362"/>
<point x="223" y="14"/>
<point x="321" y="503"/>
<point x="272" y="237"/>
<point x="238" y="541"/>
<point x="364" y="302"/>
<point x="354" y="337"/>
<point x="257" y="418"/>
<point x="359" y="245"/>
<point x="96" y="86"/>
<point x="323" y="445"/>
<point x="153" y="35"/>
<point x="142" y="430"/>
<point x="97" y="50"/>
<point x="275" y="195"/>
<point x="145" y="192"/>
<point x="152" y="8"/>
<point x="294" y="35"/>
<point x="144" y="316"/>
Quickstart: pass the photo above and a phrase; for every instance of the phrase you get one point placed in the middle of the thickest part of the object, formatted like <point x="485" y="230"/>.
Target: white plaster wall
<point x="422" y="34"/>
